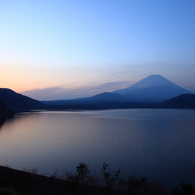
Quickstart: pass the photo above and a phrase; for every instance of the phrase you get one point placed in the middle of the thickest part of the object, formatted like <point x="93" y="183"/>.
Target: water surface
<point x="155" y="143"/>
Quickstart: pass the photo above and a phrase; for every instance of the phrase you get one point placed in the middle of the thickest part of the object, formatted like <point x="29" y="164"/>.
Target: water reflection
<point x="140" y="142"/>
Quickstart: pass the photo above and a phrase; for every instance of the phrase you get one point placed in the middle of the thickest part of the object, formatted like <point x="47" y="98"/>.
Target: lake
<point x="155" y="143"/>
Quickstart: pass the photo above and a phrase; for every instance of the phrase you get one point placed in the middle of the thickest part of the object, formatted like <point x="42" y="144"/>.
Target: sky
<point x="62" y="49"/>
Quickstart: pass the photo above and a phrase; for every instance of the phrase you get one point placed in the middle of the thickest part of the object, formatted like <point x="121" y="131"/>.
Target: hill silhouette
<point x="105" y="97"/>
<point x="182" y="101"/>
<point x="18" y="102"/>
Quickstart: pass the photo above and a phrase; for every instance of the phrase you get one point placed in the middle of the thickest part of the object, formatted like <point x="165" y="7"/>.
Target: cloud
<point x="75" y="91"/>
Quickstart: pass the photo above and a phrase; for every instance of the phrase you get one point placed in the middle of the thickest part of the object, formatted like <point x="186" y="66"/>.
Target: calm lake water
<point x="155" y="143"/>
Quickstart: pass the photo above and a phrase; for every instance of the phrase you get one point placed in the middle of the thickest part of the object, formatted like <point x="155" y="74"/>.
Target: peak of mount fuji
<point x="154" y="88"/>
<point x="153" y="80"/>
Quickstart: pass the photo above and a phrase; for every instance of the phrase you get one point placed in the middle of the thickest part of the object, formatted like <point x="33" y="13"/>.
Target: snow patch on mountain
<point x="153" y="80"/>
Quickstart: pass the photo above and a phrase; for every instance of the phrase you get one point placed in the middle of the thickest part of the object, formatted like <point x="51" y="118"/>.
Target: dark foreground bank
<point x="20" y="182"/>
<point x="15" y="182"/>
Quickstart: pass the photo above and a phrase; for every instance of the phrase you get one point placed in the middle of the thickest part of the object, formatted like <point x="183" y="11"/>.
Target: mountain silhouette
<point x="182" y="101"/>
<point x="106" y="100"/>
<point x="108" y="97"/>
<point x="149" y="92"/>
<point x="105" y="97"/>
<point x="18" y="102"/>
<point x="154" y="88"/>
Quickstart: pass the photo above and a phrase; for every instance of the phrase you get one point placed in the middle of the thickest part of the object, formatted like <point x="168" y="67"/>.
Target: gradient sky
<point x="60" y="49"/>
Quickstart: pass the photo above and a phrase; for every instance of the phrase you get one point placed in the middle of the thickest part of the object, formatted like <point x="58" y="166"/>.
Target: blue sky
<point x="58" y="49"/>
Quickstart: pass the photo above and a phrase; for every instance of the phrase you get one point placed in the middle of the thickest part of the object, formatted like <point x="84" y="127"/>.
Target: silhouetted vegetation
<point x="183" y="189"/>
<point x="82" y="182"/>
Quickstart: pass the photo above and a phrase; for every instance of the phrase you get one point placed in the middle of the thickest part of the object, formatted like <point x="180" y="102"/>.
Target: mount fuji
<point x="154" y="88"/>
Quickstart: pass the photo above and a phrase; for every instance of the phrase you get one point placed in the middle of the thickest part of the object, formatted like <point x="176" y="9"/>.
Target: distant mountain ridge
<point x="152" y="92"/>
<point x="154" y="88"/>
<point x="149" y="92"/>
<point x="105" y="97"/>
